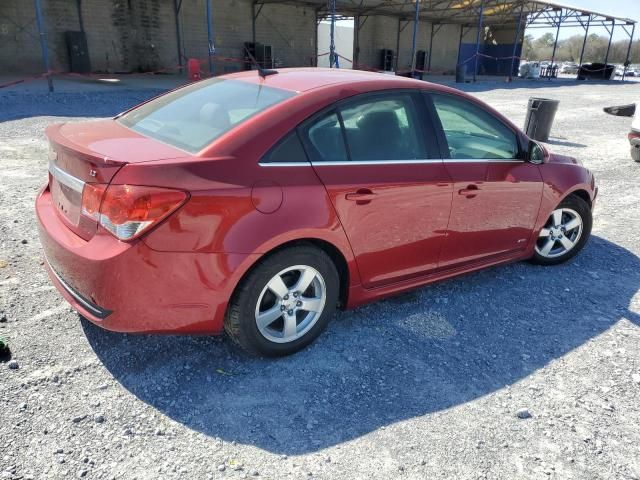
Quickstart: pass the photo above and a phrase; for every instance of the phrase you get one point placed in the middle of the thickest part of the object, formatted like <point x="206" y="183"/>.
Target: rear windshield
<point x="192" y="117"/>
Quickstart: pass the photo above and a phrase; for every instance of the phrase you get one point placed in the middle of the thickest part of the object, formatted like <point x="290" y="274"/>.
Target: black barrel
<point x="461" y="72"/>
<point x="540" y="115"/>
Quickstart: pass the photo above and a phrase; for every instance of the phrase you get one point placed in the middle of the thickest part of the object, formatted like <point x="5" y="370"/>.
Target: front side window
<point x="383" y="128"/>
<point x="192" y="117"/>
<point x="472" y="132"/>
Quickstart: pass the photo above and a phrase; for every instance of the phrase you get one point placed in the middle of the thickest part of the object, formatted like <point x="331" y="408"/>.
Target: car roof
<point x="305" y="79"/>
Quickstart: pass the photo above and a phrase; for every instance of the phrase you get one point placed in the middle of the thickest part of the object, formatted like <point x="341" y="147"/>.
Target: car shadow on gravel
<point x="416" y="354"/>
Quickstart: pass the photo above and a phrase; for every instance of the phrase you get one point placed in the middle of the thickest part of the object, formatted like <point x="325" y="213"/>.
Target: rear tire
<point x="565" y="233"/>
<point x="635" y="153"/>
<point x="284" y="303"/>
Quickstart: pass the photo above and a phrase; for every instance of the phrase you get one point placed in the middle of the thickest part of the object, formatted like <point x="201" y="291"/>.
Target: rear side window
<point x="194" y="116"/>
<point x="326" y="140"/>
<point x="287" y="150"/>
<point x="384" y="127"/>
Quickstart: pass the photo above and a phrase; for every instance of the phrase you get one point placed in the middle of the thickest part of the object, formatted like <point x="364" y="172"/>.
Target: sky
<point x="617" y="8"/>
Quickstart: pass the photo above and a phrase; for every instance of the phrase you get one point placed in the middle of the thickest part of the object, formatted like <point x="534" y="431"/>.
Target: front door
<point x="496" y="195"/>
<point x="378" y="158"/>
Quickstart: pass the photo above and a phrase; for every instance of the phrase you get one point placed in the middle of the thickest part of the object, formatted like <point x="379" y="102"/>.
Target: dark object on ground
<point x="461" y="72"/>
<point x="621" y="110"/>
<point x="540" y="115"/>
<point x="5" y="351"/>
<point x="596" y="71"/>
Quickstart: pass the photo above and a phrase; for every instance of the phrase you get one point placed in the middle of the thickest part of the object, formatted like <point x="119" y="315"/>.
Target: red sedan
<point x="258" y="204"/>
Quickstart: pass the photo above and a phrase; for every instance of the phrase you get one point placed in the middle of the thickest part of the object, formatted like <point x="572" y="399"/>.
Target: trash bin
<point x="461" y="72"/>
<point x="540" y="115"/>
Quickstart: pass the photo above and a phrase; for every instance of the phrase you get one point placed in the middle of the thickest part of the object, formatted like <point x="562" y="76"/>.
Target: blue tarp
<point x="490" y="66"/>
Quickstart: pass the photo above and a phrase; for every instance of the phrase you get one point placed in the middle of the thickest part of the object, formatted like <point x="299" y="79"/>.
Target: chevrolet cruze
<point x="259" y="202"/>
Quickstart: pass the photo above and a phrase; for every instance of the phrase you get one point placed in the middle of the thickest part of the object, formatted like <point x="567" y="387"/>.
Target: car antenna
<point x="263" y="72"/>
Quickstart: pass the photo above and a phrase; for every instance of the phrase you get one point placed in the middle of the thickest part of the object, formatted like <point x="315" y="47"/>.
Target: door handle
<point x="362" y="196"/>
<point x="469" y="192"/>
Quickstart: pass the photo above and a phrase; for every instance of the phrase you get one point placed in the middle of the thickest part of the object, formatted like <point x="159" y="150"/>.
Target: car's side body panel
<point x="180" y="276"/>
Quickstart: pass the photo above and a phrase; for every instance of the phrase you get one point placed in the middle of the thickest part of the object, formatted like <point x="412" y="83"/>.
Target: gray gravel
<point x="514" y="372"/>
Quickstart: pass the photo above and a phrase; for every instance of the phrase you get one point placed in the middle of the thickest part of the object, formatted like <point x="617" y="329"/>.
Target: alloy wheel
<point x="560" y="234"/>
<point x="290" y="304"/>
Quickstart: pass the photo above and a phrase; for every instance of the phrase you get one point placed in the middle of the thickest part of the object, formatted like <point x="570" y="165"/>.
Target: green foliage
<point x="568" y="49"/>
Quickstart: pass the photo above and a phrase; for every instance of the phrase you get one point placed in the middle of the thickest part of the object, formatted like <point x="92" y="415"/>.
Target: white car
<point x="634" y="133"/>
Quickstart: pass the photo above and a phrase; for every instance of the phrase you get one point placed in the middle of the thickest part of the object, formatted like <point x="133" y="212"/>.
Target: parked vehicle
<point x="569" y="68"/>
<point x="634" y="133"/>
<point x="258" y="202"/>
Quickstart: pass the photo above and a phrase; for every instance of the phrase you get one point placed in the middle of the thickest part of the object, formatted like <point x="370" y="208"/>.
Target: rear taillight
<point x="633" y="135"/>
<point x="127" y="211"/>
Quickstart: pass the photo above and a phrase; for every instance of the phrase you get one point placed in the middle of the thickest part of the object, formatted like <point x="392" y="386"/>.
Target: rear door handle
<point x="361" y="196"/>
<point x="469" y="192"/>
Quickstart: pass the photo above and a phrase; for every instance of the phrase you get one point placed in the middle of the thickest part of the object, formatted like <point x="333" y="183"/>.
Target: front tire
<point x="565" y="233"/>
<point x="284" y="303"/>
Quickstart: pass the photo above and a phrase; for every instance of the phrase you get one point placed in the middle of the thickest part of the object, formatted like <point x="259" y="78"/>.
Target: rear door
<point x="496" y="194"/>
<point x="378" y="158"/>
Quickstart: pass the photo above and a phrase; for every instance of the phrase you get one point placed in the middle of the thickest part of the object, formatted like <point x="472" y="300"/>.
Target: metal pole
<point x="177" y="4"/>
<point x="211" y="46"/>
<point x="397" y="45"/>
<point x="80" y="18"/>
<point x="430" y="48"/>
<point x="584" y="42"/>
<point x="475" y="67"/>
<point x="356" y="42"/>
<point x="606" y="56"/>
<point x="43" y="43"/>
<point x="332" y="35"/>
<point x="515" y="43"/>
<point x="416" y="19"/>
<point x="624" y="72"/>
<point x="555" y="45"/>
<point x="253" y="23"/>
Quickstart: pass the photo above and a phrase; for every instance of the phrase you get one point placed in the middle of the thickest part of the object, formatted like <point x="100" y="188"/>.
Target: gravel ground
<point x="514" y="372"/>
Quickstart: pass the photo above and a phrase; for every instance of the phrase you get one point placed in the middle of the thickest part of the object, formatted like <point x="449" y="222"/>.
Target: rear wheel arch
<point x="335" y="254"/>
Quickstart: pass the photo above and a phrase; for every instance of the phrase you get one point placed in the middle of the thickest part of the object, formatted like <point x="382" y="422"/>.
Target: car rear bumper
<point x="129" y="287"/>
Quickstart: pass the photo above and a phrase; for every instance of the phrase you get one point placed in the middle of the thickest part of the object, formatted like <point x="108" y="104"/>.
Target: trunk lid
<point x="93" y="152"/>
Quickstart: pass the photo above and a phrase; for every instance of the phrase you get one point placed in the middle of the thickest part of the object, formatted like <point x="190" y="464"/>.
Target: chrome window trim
<point x="285" y="164"/>
<point x="375" y="162"/>
<point x="66" y="179"/>
<point x="390" y="162"/>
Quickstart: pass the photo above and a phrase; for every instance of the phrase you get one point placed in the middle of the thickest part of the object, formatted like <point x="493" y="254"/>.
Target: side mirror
<point x="535" y="153"/>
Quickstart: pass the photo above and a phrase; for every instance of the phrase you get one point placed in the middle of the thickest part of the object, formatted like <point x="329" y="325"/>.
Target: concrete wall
<point x="140" y="35"/>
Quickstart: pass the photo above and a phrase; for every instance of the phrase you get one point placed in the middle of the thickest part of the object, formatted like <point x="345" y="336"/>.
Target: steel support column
<point x="356" y="42"/>
<point x="430" y="48"/>
<point x="177" y="4"/>
<point x="555" y="44"/>
<point x="480" y="28"/>
<point x="210" y="47"/>
<point x="584" y="42"/>
<point x="43" y="43"/>
<point x="332" y="36"/>
<point x="397" y="45"/>
<point x="416" y="20"/>
<point x="606" y="56"/>
<point x="626" y="63"/>
<point x="515" y="43"/>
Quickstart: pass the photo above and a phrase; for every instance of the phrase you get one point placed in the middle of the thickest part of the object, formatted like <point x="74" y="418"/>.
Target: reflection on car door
<point x="496" y="195"/>
<point x="378" y="157"/>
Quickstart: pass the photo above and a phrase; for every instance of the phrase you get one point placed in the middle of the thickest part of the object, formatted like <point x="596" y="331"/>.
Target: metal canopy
<point x="465" y="12"/>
